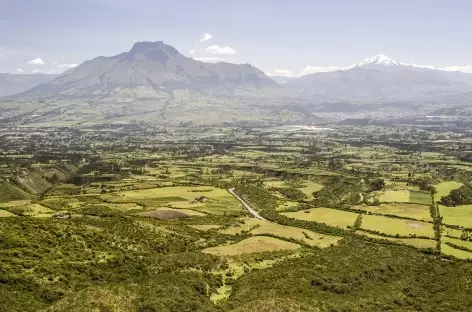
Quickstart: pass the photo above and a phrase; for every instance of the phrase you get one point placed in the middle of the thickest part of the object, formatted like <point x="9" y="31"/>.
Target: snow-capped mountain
<point x="379" y="59"/>
<point x="381" y="77"/>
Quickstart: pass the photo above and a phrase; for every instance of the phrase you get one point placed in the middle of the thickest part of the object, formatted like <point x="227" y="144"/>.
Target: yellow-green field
<point x="393" y="226"/>
<point x="186" y="211"/>
<point x="216" y="200"/>
<point x="333" y="217"/>
<point x="444" y="188"/>
<point x="415" y="211"/>
<point x="4" y="213"/>
<point x="459" y="215"/>
<point x="401" y="196"/>
<point x="252" y="244"/>
<point x="451" y="232"/>
<point x="458" y="242"/>
<point x="415" y="242"/>
<point x="260" y="227"/>
<point x="461" y="254"/>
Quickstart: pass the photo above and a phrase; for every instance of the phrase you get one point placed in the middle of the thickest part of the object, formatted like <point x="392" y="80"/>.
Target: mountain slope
<point x="281" y="80"/>
<point x="380" y="77"/>
<point x="156" y="67"/>
<point x="153" y="83"/>
<point x="11" y="83"/>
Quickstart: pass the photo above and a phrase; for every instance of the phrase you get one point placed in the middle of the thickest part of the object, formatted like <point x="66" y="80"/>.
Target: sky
<point x="280" y="37"/>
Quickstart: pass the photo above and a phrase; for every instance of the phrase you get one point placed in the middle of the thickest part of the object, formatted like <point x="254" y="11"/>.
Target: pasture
<point x="393" y="226"/>
<point x="415" y="211"/>
<point x="459" y="215"/>
<point x="260" y="227"/>
<point x="201" y="198"/>
<point x="444" y="188"/>
<point x="391" y="196"/>
<point x="252" y="245"/>
<point x="415" y="242"/>
<point x="333" y="217"/>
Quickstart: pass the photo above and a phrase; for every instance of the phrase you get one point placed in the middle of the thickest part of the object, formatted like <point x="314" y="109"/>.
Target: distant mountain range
<point x="15" y="83"/>
<point x="380" y="77"/>
<point x="153" y="83"/>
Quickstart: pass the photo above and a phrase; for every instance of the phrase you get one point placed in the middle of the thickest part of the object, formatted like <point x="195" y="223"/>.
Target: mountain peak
<point x="379" y="59"/>
<point x="146" y="47"/>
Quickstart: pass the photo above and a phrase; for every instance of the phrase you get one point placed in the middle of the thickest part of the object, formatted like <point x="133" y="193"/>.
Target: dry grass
<point x="260" y="227"/>
<point x="252" y="244"/>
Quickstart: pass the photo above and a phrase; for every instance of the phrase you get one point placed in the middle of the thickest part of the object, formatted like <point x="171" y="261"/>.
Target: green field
<point x="415" y="242"/>
<point x="4" y="213"/>
<point x="402" y="196"/>
<point x="251" y="245"/>
<point x="444" y="188"/>
<point x="217" y="200"/>
<point x="460" y="215"/>
<point x="420" y="198"/>
<point x="259" y="227"/>
<point x="391" y="226"/>
<point x="450" y="251"/>
<point x="414" y="211"/>
<point x="333" y="217"/>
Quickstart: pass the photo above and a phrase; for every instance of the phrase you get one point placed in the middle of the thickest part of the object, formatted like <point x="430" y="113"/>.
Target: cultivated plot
<point x="252" y="244"/>
<point x="333" y="217"/>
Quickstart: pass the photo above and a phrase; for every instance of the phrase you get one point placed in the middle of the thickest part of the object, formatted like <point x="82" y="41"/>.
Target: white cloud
<point x="36" y="71"/>
<point x="318" y="69"/>
<point x="20" y="70"/>
<point x="51" y="72"/>
<point x="464" y="69"/>
<point x="216" y="49"/>
<point x="208" y="59"/>
<point x="205" y="37"/>
<point x="36" y="61"/>
<point x="191" y="51"/>
<point x="1" y="54"/>
<point x="67" y="65"/>
<point x="283" y="72"/>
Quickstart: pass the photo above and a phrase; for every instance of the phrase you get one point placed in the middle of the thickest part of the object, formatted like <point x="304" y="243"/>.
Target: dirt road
<point x="252" y="211"/>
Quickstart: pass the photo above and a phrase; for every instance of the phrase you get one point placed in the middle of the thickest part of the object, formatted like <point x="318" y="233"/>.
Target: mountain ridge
<point x="155" y="66"/>
<point x="16" y="83"/>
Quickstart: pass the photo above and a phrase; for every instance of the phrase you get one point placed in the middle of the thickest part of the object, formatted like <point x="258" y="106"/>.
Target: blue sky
<point x="284" y="35"/>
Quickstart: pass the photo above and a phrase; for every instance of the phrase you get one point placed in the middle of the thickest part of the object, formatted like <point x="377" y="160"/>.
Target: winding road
<point x="252" y="211"/>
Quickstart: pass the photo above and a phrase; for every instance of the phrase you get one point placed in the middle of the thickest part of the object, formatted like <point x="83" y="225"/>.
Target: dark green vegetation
<point x="461" y="196"/>
<point x="124" y="218"/>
